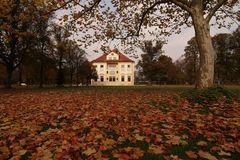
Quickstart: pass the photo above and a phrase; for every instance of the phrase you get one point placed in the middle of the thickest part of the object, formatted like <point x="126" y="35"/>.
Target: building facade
<point x="114" y="69"/>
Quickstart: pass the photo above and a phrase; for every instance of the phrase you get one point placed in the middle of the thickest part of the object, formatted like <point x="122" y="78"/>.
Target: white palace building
<point x="113" y="69"/>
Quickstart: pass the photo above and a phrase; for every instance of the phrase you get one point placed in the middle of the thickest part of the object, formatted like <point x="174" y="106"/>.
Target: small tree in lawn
<point x="149" y="59"/>
<point x="75" y="57"/>
<point x="191" y="61"/>
<point x="87" y="72"/>
<point x="60" y="39"/>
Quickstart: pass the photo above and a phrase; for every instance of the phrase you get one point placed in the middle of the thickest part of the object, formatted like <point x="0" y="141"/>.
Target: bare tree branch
<point x="60" y="7"/>
<point x="230" y="16"/>
<point x="185" y="5"/>
<point x="93" y="5"/>
<point x="214" y="9"/>
<point x="146" y="12"/>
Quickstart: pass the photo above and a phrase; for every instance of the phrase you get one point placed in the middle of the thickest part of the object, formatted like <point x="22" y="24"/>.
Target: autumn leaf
<point x="222" y="153"/>
<point x="148" y="131"/>
<point x="174" y="157"/>
<point x="89" y="151"/>
<point x="22" y="152"/>
<point x="176" y="140"/>
<point x="137" y="153"/>
<point x="191" y="154"/>
<point x="139" y="138"/>
<point x="108" y="142"/>
<point x="202" y="143"/>
<point x="206" y="155"/>
<point x="121" y="156"/>
<point x="155" y="149"/>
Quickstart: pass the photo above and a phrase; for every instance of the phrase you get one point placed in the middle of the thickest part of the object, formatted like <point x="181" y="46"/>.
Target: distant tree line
<point x="156" y="68"/>
<point x="36" y="51"/>
<point x="227" y="59"/>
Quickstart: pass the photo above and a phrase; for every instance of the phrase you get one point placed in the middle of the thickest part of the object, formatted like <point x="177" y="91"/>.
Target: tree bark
<point x="71" y="77"/>
<point x="20" y="74"/>
<point x="41" y="73"/>
<point x="41" y="66"/>
<point x="206" y="69"/>
<point x="8" y="83"/>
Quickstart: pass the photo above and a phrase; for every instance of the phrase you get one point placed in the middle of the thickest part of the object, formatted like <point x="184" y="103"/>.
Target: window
<point x="112" y="69"/>
<point x="128" y="68"/>
<point x="112" y="79"/>
<point x="122" y="78"/>
<point x="114" y="58"/>
<point x="129" y="78"/>
<point x="101" y="67"/>
<point x="112" y="66"/>
<point x="101" y="78"/>
<point x="122" y="68"/>
<point x="112" y="72"/>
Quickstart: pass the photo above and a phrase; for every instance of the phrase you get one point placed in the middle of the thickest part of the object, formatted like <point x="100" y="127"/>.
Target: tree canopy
<point x="127" y="21"/>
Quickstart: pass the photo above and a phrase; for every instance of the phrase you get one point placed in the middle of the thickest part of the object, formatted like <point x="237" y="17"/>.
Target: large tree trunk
<point x="20" y="74"/>
<point x="205" y="74"/>
<point x="8" y="83"/>
<point x="41" y="73"/>
<point x="71" y="77"/>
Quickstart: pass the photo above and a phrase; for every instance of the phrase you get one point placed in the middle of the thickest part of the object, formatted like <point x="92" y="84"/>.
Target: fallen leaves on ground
<point x="120" y="125"/>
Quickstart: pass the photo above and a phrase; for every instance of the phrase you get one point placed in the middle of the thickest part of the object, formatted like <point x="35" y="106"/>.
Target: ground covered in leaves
<point x="116" y="125"/>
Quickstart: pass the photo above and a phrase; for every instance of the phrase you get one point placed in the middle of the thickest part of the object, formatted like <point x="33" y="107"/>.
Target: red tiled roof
<point x="122" y="58"/>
